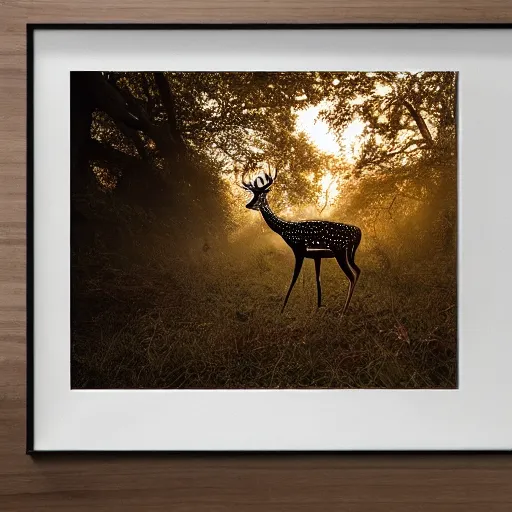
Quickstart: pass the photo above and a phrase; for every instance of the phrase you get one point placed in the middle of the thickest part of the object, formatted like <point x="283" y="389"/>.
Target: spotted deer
<point x="314" y="239"/>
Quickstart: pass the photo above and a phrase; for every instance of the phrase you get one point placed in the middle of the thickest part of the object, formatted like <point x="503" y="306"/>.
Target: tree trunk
<point x="420" y="122"/>
<point x="169" y="104"/>
<point x="81" y="108"/>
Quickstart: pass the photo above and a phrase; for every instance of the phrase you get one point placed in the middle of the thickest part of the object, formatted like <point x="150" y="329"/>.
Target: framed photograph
<point x="269" y="238"/>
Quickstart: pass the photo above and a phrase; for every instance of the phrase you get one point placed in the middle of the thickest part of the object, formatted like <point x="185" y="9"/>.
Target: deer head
<point x="259" y="186"/>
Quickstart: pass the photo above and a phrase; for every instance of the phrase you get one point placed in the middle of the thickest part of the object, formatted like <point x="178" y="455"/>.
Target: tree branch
<point x="420" y="122"/>
<point x="169" y="104"/>
<point x="107" y="154"/>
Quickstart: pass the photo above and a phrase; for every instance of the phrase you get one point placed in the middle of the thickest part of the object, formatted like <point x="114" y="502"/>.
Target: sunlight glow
<point x="324" y="139"/>
<point x="346" y="148"/>
<point x="352" y="140"/>
<point x="317" y="130"/>
<point x="327" y="182"/>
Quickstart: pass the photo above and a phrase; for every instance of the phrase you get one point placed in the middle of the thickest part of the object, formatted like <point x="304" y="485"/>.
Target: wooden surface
<point x="217" y="483"/>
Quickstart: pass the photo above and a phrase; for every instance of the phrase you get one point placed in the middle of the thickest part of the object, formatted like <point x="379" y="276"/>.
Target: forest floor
<point x="212" y="320"/>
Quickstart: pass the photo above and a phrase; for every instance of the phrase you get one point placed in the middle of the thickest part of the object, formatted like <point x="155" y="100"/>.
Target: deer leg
<point x="355" y="269"/>
<point x="318" y="262"/>
<point x="299" y="259"/>
<point x="342" y="259"/>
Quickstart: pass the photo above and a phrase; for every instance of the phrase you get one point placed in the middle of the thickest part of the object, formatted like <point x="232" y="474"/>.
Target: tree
<point x="405" y="115"/>
<point x="159" y="125"/>
<point x="405" y="171"/>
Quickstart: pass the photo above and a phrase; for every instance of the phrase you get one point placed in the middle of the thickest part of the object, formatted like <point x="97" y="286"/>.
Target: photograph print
<point x="264" y="230"/>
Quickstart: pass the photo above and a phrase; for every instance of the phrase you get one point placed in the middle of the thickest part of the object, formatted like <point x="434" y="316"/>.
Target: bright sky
<point x="320" y="134"/>
<point x="317" y="130"/>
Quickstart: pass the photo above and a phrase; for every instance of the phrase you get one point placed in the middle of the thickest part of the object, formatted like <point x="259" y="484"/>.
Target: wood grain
<point x="215" y="483"/>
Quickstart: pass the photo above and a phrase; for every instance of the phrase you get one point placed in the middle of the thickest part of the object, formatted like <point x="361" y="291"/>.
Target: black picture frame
<point x="31" y="28"/>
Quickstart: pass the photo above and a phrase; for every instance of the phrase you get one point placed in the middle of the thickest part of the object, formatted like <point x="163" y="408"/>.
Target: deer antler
<point x="247" y="185"/>
<point x="260" y="183"/>
<point x="272" y="173"/>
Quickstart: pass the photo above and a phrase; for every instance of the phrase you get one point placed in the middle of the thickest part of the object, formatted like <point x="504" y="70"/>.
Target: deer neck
<point x="274" y="222"/>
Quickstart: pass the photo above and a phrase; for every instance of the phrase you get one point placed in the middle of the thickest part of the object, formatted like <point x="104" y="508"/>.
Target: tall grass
<point x="186" y="316"/>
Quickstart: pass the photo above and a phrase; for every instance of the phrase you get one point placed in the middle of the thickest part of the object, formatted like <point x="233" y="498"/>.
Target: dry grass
<point x="211" y="320"/>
